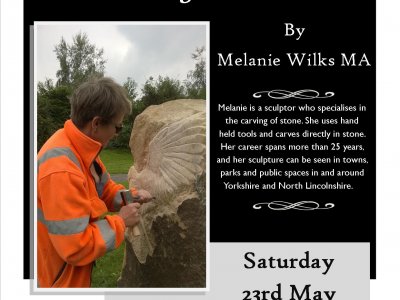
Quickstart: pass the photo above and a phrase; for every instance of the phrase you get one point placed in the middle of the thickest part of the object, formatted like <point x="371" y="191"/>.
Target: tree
<point x="78" y="61"/>
<point x="53" y="109"/>
<point x="161" y="90"/>
<point x="195" y="83"/>
<point x="122" y="140"/>
<point x="130" y="85"/>
<point x="137" y="104"/>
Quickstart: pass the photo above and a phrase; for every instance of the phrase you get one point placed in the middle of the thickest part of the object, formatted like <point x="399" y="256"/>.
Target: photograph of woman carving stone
<point x="122" y="121"/>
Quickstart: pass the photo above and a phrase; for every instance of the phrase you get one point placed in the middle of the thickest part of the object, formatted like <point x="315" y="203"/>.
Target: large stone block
<point x="168" y="143"/>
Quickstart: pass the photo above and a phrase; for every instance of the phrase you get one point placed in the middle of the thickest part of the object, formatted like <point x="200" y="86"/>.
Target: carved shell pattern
<point x="176" y="157"/>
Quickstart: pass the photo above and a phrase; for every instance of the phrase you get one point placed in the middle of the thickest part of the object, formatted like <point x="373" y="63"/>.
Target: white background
<point x="388" y="154"/>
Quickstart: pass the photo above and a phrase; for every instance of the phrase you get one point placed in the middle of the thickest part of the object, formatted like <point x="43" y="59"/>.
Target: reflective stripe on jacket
<point x="71" y="234"/>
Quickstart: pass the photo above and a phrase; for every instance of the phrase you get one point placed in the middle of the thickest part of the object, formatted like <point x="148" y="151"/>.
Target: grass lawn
<point x="108" y="268"/>
<point x="117" y="161"/>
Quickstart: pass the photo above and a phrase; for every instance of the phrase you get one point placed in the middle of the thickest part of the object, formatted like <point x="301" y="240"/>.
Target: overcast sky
<point x="131" y="50"/>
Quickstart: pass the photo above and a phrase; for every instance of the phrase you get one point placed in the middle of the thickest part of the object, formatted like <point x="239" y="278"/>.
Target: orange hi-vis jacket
<point x="71" y="234"/>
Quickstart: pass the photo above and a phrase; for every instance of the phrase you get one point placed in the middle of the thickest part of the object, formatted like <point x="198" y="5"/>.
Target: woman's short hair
<point x="101" y="97"/>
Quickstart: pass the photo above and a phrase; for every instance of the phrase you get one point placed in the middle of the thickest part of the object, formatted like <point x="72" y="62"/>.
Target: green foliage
<point x="195" y="83"/>
<point x="78" y="61"/>
<point x="130" y="85"/>
<point x="161" y="90"/>
<point x="117" y="161"/>
<point x="122" y="140"/>
<point x="53" y="109"/>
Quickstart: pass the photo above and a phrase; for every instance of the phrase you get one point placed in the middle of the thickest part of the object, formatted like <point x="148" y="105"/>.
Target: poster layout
<point x="291" y="95"/>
